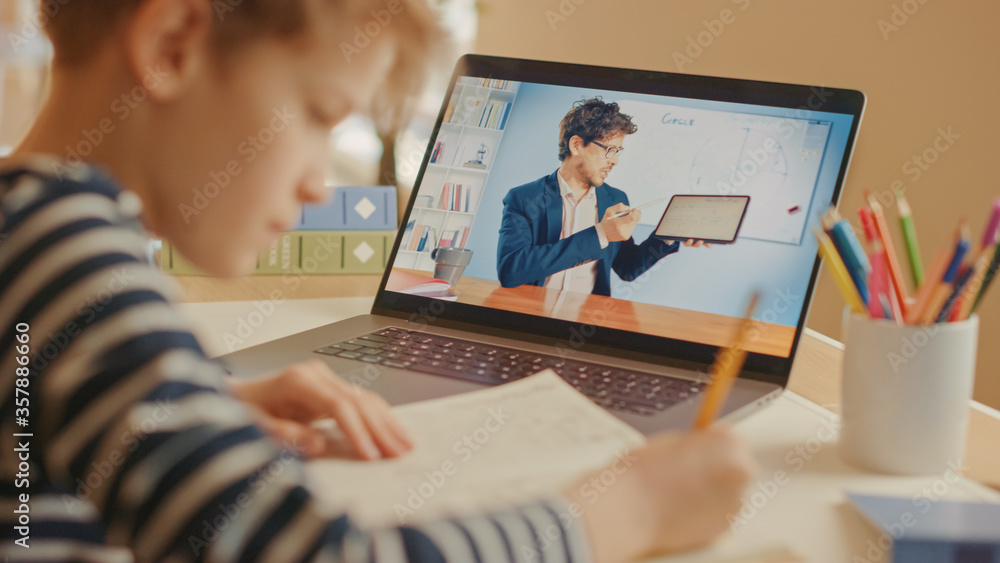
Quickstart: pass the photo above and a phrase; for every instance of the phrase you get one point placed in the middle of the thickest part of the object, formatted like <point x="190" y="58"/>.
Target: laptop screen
<point x="511" y="219"/>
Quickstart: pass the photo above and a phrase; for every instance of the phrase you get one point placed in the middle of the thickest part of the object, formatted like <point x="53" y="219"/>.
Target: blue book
<point x="934" y="532"/>
<point x="354" y="208"/>
<point x="423" y="241"/>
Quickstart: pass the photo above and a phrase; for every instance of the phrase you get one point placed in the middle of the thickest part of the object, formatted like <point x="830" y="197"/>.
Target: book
<point x="306" y="253"/>
<point x="447" y="239"/>
<point x="282" y="256"/>
<point x="454" y="197"/>
<point x="368" y="208"/>
<point x="506" y="113"/>
<point x="417" y="234"/>
<point x="496" y="84"/>
<point x="428" y="239"/>
<point x="951" y="530"/>
<point x="436" y="153"/>
<point x="495" y="115"/>
<point x="407" y="234"/>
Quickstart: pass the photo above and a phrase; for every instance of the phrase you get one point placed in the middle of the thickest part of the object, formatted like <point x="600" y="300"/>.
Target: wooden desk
<point x="589" y="309"/>
<point x="200" y="289"/>
<point x="815" y="375"/>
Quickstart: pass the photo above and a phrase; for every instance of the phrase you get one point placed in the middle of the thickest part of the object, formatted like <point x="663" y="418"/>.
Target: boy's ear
<point x="167" y="43"/>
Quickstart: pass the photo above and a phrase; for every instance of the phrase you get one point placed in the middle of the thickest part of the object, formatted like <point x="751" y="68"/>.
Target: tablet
<point x="710" y="218"/>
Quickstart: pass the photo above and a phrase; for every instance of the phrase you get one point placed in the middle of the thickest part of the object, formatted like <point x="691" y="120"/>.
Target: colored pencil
<point x="878" y="307"/>
<point x="934" y="275"/>
<point x="828" y="252"/>
<point x="968" y="282"/>
<point x="895" y="274"/>
<point x="867" y="224"/>
<point x="726" y="367"/>
<point x="910" y="237"/>
<point x="992" y="226"/>
<point x="990" y="275"/>
<point x="888" y="306"/>
<point x="980" y="270"/>
<point x="851" y="253"/>
<point x="946" y="285"/>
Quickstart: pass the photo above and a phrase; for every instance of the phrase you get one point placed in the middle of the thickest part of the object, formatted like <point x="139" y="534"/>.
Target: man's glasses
<point x="611" y="151"/>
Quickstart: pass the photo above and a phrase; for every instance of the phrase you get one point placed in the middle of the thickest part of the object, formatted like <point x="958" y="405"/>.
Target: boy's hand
<point x="287" y="404"/>
<point x="675" y="495"/>
<point x="620" y="228"/>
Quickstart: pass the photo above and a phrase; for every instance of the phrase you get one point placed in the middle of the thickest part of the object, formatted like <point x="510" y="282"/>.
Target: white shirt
<point x="578" y="215"/>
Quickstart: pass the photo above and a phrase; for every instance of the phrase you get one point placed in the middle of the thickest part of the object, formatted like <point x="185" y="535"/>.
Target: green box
<point x="321" y="252"/>
<point x="282" y="257"/>
<point x="171" y="261"/>
<point x="365" y="252"/>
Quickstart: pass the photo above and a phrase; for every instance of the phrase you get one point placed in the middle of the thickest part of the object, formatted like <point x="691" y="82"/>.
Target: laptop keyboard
<point x="619" y="389"/>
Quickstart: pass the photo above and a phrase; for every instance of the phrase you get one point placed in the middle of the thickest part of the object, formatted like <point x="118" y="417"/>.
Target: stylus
<point x="643" y="206"/>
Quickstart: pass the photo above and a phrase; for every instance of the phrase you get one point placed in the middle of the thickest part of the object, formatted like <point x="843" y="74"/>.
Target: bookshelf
<point x="470" y="134"/>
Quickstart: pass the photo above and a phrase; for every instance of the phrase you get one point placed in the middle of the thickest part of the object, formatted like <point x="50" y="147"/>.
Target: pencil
<point x="726" y="367"/>
<point x="876" y="310"/>
<point x="992" y="226"/>
<point x="851" y="253"/>
<point x="990" y="274"/>
<point x="968" y="281"/>
<point x="895" y="274"/>
<point x="834" y="222"/>
<point x="910" y="237"/>
<point x="976" y="282"/>
<point x="934" y="275"/>
<point x="867" y="224"/>
<point x="944" y="288"/>
<point x="840" y="275"/>
<point x="888" y="307"/>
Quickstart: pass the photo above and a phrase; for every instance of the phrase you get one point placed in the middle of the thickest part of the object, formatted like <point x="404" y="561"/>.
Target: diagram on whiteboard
<point x="678" y="150"/>
<point x="717" y="166"/>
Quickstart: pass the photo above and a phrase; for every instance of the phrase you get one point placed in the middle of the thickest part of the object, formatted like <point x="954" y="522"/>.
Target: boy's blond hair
<point x="77" y="28"/>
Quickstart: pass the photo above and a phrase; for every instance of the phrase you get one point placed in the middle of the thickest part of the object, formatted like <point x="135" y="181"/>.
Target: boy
<point x="134" y="445"/>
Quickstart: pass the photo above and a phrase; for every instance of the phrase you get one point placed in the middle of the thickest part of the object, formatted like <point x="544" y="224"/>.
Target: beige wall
<point x="940" y="69"/>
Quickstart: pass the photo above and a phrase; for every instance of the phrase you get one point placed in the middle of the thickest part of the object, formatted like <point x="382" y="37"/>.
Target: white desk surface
<point x="797" y="501"/>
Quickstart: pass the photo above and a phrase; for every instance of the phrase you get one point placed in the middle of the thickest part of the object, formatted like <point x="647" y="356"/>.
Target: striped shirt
<point x="120" y="441"/>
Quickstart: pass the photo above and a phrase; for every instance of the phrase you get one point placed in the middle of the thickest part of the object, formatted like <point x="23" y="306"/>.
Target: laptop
<point x="486" y="284"/>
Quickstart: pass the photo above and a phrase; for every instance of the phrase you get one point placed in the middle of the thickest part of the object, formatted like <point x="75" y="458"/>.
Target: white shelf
<point x="460" y="143"/>
<point x="436" y="210"/>
<point x="433" y="165"/>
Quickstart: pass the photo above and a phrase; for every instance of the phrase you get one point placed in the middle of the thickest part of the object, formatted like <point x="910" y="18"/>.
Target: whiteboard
<point x="678" y="150"/>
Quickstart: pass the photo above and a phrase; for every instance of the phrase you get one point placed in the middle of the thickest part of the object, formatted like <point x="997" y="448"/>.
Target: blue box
<point x="942" y="531"/>
<point x="354" y="208"/>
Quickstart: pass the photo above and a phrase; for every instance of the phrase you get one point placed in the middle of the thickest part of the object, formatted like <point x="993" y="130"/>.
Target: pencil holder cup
<point x="906" y="392"/>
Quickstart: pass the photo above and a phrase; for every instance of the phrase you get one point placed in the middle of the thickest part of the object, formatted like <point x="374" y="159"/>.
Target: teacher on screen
<point x="560" y="231"/>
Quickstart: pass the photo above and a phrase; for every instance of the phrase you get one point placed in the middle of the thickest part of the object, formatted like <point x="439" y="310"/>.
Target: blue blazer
<point x="529" y="249"/>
